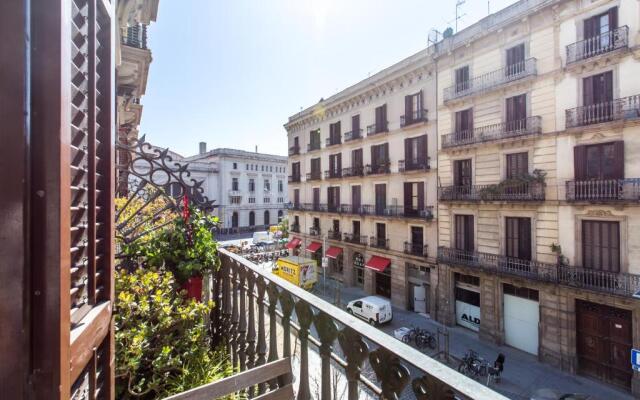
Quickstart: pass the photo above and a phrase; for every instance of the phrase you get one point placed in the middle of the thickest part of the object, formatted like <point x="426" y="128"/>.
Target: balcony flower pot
<point x="193" y="288"/>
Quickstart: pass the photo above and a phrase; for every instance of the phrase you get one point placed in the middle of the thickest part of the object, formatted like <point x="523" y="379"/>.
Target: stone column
<point x="398" y="284"/>
<point x="445" y="311"/>
<point x="489" y="309"/>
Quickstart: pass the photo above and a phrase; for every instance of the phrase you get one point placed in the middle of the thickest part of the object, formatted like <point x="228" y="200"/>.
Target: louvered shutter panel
<point x="456" y="173"/>
<point x="619" y="159"/>
<point x="407" y="152"/>
<point x="407" y="109"/>
<point x="579" y="162"/>
<point x="608" y="87"/>
<point x="339" y="163"/>
<point x="470" y="119"/>
<point x="422" y="148"/>
<point x="420" y="189"/>
<point x="385" y="148"/>
<point x="587" y="91"/>
<point x="469" y="235"/>
<point x="408" y="203"/>
<point x="613" y="18"/>
<point x="355" y="124"/>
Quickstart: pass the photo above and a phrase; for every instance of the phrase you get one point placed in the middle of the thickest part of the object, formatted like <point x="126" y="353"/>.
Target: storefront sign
<point x="468" y="315"/>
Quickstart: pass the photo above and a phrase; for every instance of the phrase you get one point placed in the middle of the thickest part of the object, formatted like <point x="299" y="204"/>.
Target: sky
<point x="231" y="72"/>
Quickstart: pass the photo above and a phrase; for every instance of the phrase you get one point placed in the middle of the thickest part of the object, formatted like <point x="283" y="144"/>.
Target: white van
<point x="373" y="309"/>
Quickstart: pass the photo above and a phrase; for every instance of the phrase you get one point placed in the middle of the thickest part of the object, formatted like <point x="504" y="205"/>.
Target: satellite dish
<point x="447" y="32"/>
<point x="433" y="36"/>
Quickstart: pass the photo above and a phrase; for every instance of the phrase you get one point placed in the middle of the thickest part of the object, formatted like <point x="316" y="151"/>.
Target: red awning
<point x="378" y="264"/>
<point x="314" y="246"/>
<point x="334" y="252"/>
<point x="293" y="243"/>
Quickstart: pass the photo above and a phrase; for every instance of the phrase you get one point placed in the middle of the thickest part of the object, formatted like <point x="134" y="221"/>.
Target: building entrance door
<point x="419" y="299"/>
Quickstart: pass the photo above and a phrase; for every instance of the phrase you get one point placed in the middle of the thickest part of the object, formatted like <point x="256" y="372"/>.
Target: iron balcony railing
<point x="622" y="284"/>
<point x="353" y="171"/>
<point x="527" y="191"/>
<point x="353" y="135"/>
<point x="334" y="235"/>
<point x="294" y="178"/>
<point x="597" y="45"/>
<point x="608" y="111"/>
<point x="313" y="146"/>
<point x="295" y="228"/>
<point x="294" y="150"/>
<point x="332" y="173"/>
<point x="334" y="208"/>
<point x="379" y="242"/>
<point x="295" y="206"/>
<point x="136" y="36"/>
<point x="314" y="176"/>
<point x="491" y="80"/>
<point x="415" y="164"/>
<point x="333" y="141"/>
<point x="315" y="231"/>
<point x="603" y="190"/>
<point x="425" y="213"/>
<point x="502" y="130"/>
<point x="375" y="129"/>
<point x="254" y="320"/>
<point x="355" y="239"/>
<point x="376" y="169"/>
<point x="415" y="117"/>
<point x="416" y="249"/>
<point x="318" y="207"/>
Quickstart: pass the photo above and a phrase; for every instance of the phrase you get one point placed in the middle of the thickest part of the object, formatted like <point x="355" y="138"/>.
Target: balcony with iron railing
<point x="622" y="284"/>
<point x="293" y="178"/>
<point x="525" y="191"/>
<point x="315" y="231"/>
<point x="598" y="45"/>
<point x="353" y="135"/>
<point x="625" y="108"/>
<point x="355" y="239"/>
<point x="313" y="146"/>
<point x="502" y="130"/>
<point x="416" y="117"/>
<point x="332" y="174"/>
<point x="416" y="164"/>
<point x="333" y="141"/>
<point x="416" y="249"/>
<point x="259" y="318"/>
<point x="294" y="150"/>
<point x="353" y="171"/>
<point x="334" y="208"/>
<point x="314" y="176"/>
<point x="379" y="243"/>
<point x="377" y="169"/>
<point x="295" y="228"/>
<point x="604" y="190"/>
<point x="317" y="207"/>
<point x="136" y="36"/>
<point x="376" y="129"/>
<point x="492" y="80"/>
<point x="334" y="235"/>
<point x="295" y="206"/>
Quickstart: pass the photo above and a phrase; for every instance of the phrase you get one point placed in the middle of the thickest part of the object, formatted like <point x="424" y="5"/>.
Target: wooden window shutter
<point x="422" y="148"/>
<point x="470" y="119"/>
<point x="407" y="108"/>
<point x="619" y="159"/>
<point x="608" y="87"/>
<point x="613" y="18"/>
<point x="339" y="162"/>
<point x="580" y="162"/>
<point x="408" y="195"/>
<point x="407" y="151"/>
<point x="589" y="27"/>
<point x="385" y="148"/>
<point x="587" y="90"/>
<point x="458" y="124"/>
<point x="511" y="109"/>
<point x="456" y="173"/>
<point x="355" y="124"/>
<point x="420" y="186"/>
<point x="469" y="235"/>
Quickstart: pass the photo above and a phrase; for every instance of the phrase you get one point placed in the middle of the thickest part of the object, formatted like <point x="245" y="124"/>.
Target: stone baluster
<point x="235" y="319"/>
<point x="251" y="332"/>
<point x="262" y="341"/>
<point x="305" y="318"/>
<point x="287" y="304"/>
<point x="226" y="303"/>
<point x="215" y="316"/>
<point x="273" y="293"/>
<point x="429" y="388"/>
<point x="328" y="332"/>
<point x="355" y="350"/>
<point x="242" y="314"/>
<point x="392" y="375"/>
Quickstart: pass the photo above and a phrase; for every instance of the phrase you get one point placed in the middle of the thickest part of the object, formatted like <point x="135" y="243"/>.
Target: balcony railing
<point x="334" y="208"/>
<point x="353" y="135"/>
<point x="333" y="141"/>
<point x="503" y="130"/>
<point x="491" y="80"/>
<point x="417" y="164"/>
<point x="353" y="171"/>
<point x="313" y="146"/>
<point x="319" y="207"/>
<point x="622" y="284"/>
<point x="527" y="191"/>
<point x="416" y="249"/>
<point x="136" y="36"/>
<point x="334" y="235"/>
<point x="608" y="111"/>
<point x="376" y="129"/>
<point x="416" y="117"/>
<point x="597" y="45"/>
<point x="603" y="190"/>
<point x="379" y="243"/>
<point x="253" y="320"/>
<point x="294" y="178"/>
<point x="376" y="169"/>
<point x="295" y="228"/>
<point x="294" y="150"/>
<point x="314" y="176"/>
<point x="315" y="231"/>
<point x="355" y="239"/>
<point x="332" y="173"/>
<point x="296" y="207"/>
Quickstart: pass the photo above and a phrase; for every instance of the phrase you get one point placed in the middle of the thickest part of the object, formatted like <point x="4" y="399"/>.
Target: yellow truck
<point x="298" y="270"/>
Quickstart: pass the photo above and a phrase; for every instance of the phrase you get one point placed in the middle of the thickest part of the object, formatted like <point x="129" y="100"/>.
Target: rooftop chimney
<point x="203" y="147"/>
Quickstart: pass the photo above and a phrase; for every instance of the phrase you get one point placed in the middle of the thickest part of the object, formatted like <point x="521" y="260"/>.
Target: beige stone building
<point x="538" y="139"/>
<point x="363" y="181"/>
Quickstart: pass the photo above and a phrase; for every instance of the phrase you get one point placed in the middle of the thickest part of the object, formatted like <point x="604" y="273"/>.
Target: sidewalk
<point x="523" y="373"/>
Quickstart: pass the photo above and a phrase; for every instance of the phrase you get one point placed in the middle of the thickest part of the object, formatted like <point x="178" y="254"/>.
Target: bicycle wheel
<point x="431" y="342"/>
<point x="406" y="338"/>
<point x="462" y="368"/>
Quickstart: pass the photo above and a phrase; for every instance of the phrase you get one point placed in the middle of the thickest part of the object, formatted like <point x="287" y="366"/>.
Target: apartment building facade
<point x="538" y="203"/>
<point x="363" y="183"/>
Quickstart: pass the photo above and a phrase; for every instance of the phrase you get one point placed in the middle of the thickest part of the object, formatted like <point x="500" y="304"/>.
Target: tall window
<point x="267" y="217"/>
<point x="415" y="152"/>
<point x="315" y="168"/>
<point x="252" y="185"/>
<point x="516" y="113"/>
<point x="234" y="184"/>
<point x="316" y="199"/>
<point x="235" y="165"/>
<point x="335" y="165"/>
<point x="355" y="228"/>
<point x="599" y="161"/>
<point x="234" y="220"/>
<point x="381" y="119"/>
<point x="464" y="236"/>
<point x="462" y="79"/>
<point x="280" y="215"/>
<point x="252" y="218"/>
<point x="464" y="124"/>
<point x="462" y="173"/>
<point x="518" y="237"/>
<point x="597" y="98"/>
<point x="334" y="133"/>
<point x="413" y="108"/>
<point x="333" y="198"/>
<point x="597" y="31"/>
<point x="517" y="165"/>
<point x="601" y="245"/>
<point x="355" y="126"/>
<point x="296" y="197"/>
<point x="515" y="60"/>
<point x="267" y="185"/>
<point x="381" y="198"/>
<point x="357" y="162"/>
<point x="295" y="171"/>
<point x="413" y="198"/>
<point x="280" y="186"/>
<point x="417" y="239"/>
<point x="380" y="158"/>
<point x="356" y="201"/>
<point x="314" y="139"/>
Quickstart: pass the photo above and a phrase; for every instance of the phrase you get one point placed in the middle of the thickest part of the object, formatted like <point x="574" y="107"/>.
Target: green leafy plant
<point x="491" y="191"/>
<point x="284" y="228"/>
<point x="562" y="259"/>
<point x="162" y="345"/>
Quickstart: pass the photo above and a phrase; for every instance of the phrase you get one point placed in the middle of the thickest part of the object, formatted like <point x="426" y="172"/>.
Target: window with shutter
<point x="462" y="172"/>
<point x="464" y="236"/>
<point x="515" y="60"/>
<point x="517" y="165"/>
<point x="601" y="245"/>
<point x="516" y="113"/>
<point x="518" y="238"/>
<point x="356" y="198"/>
<point x="381" y="198"/>
<point x="462" y="79"/>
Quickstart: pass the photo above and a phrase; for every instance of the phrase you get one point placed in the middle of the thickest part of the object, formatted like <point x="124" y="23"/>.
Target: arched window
<point x="266" y="217"/>
<point x="234" y="220"/>
<point x="280" y="215"/>
<point x="252" y="218"/>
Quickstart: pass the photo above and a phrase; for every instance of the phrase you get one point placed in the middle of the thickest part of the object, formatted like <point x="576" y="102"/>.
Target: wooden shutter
<point x="355" y="124"/>
<point x="607" y="89"/>
<point x="338" y="163"/>
<point x="613" y="18"/>
<point x="408" y="108"/>
<point x="374" y="155"/>
<point x="619" y="159"/>
<point x="524" y="245"/>
<point x="580" y="162"/>
<point x="337" y="196"/>
<point x="469" y="126"/>
<point x="420" y="186"/>
<point x="408" y="196"/>
<point x="469" y="235"/>
<point x="587" y="90"/>
<point x="511" y="109"/>
<point x="422" y="148"/>
<point x="385" y="152"/>
<point x="407" y="152"/>
<point x="601" y="245"/>
<point x="355" y="197"/>
<point x="456" y="173"/>
<point x="590" y="29"/>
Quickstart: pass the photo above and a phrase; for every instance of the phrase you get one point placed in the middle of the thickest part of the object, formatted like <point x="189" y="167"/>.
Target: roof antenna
<point x="256" y="148"/>
<point x="459" y="3"/>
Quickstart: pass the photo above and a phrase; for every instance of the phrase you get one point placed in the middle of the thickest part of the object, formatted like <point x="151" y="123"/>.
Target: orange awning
<point x="334" y="252"/>
<point x="377" y="263"/>
<point x="293" y="243"/>
<point x="314" y="246"/>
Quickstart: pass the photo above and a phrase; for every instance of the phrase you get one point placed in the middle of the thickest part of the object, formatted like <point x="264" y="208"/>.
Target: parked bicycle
<point x="421" y="337"/>
<point x="475" y="366"/>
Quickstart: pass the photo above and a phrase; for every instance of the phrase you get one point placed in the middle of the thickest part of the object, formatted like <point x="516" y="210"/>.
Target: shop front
<point x="467" y="301"/>
<point x="382" y="275"/>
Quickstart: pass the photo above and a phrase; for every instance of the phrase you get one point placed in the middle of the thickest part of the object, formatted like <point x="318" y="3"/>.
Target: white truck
<point x="373" y="309"/>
